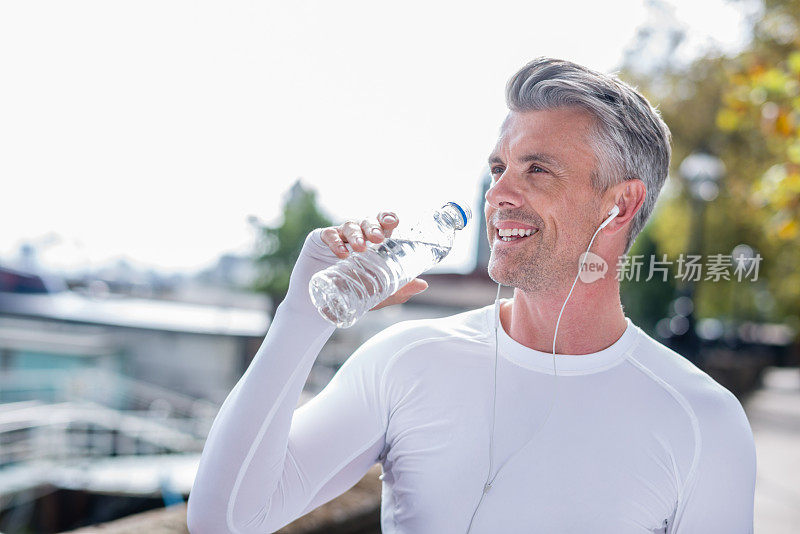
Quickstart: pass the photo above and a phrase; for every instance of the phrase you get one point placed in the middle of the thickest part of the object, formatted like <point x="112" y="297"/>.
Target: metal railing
<point x="61" y="418"/>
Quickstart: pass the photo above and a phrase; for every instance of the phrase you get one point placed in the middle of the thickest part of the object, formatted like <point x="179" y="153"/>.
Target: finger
<point x="412" y="288"/>
<point x="352" y="233"/>
<point x="388" y="221"/>
<point x="407" y="291"/>
<point x="330" y="236"/>
<point x="372" y="229"/>
<point x="415" y="286"/>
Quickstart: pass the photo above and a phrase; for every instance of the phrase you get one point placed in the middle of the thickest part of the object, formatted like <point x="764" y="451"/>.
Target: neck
<point x="592" y="320"/>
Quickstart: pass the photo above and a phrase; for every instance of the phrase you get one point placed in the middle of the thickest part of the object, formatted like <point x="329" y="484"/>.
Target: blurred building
<point x="106" y="398"/>
<point x="191" y="348"/>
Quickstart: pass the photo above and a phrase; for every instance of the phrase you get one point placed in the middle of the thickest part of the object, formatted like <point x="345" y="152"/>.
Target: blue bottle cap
<point x="461" y="211"/>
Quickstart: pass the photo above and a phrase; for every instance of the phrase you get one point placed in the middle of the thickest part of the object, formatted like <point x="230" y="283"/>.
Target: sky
<point x="151" y="130"/>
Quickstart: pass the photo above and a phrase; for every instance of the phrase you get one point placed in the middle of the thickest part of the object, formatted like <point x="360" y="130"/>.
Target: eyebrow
<point x="530" y="158"/>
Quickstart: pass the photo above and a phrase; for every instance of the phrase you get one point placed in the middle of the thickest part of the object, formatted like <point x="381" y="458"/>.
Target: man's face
<point x="541" y="181"/>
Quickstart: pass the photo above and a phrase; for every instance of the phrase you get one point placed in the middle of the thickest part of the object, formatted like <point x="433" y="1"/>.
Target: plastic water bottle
<point x="346" y="290"/>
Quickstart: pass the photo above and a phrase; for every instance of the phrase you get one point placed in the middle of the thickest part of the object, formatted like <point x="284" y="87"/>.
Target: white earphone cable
<point x="489" y="478"/>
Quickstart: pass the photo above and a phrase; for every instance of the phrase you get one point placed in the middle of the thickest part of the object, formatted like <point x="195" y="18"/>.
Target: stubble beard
<point x="531" y="271"/>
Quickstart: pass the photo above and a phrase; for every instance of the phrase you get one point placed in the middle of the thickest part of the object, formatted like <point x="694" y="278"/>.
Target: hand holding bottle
<point x="357" y="234"/>
<point x="383" y="269"/>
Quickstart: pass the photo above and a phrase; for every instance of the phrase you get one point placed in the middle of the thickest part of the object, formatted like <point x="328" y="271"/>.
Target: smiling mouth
<point x="515" y="237"/>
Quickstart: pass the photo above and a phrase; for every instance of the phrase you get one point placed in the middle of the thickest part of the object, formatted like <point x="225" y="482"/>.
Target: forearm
<point x="243" y="460"/>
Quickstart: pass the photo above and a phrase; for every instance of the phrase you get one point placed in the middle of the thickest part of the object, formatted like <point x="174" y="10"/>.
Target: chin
<point x="511" y="275"/>
<point x="501" y="274"/>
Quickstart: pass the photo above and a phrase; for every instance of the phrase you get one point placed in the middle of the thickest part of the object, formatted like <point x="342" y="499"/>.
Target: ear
<point x="629" y="196"/>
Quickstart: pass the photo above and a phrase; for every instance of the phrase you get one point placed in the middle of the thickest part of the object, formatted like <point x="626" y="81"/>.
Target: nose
<point x="503" y="193"/>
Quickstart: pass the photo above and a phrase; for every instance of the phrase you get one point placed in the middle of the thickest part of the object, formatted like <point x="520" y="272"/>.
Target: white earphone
<point x="613" y="212"/>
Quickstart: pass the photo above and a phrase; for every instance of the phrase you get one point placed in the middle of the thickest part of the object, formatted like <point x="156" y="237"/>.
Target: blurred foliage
<point x="744" y="109"/>
<point x="278" y="247"/>
<point x="646" y="301"/>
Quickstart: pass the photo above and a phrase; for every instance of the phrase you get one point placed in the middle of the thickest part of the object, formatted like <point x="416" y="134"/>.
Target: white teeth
<point x="508" y="232"/>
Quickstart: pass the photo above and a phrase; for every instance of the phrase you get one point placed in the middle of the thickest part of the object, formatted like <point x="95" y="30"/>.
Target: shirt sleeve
<point x="719" y="492"/>
<point x="264" y="463"/>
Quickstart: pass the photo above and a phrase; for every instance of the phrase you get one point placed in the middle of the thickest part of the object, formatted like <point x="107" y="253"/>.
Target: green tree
<point x="278" y="247"/>
<point x="744" y="109"/>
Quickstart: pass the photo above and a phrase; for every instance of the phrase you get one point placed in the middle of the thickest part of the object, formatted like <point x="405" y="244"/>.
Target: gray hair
<point x="631" y="139"/>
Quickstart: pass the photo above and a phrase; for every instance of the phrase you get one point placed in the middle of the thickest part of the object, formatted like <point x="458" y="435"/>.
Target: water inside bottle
<point x="339" y="298"/>
<point x="419" y="255"/>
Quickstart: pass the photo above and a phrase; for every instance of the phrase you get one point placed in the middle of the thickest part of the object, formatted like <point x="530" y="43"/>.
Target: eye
<point x="537" y="169"/>
<point x="497" y="169"/>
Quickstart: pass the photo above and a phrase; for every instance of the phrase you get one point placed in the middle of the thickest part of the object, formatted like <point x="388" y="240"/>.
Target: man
<point x="488" y="426"/>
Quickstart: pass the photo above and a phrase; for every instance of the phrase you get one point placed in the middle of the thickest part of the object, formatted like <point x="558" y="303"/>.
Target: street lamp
<point x="702" y="173"/>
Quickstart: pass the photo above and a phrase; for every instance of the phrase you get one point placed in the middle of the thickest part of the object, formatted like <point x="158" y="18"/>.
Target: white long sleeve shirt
<point x="639" y="440"/>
